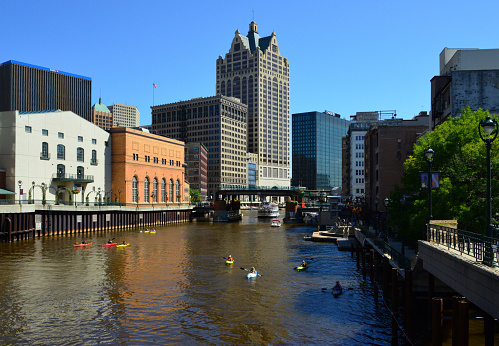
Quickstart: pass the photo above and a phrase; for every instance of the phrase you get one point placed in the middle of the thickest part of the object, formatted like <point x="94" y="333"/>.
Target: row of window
<point x="147" y="158"/>
<point x="171" y="189"/>
<point x="60" y="135"/>
<point x="61" y="153"/>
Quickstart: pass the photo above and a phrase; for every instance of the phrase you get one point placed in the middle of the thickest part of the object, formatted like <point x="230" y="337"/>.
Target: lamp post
<point x="99" y="195"/>
<point x="429" y="158"/>
<point x="119" y="197"/>
<point x="20" y="183"/>
<point x="33" y="191"/>
<point x="43" y="194"/>
<point x="488" y="126"/>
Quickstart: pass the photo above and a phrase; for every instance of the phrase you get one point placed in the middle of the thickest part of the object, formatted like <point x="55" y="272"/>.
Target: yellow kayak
<point x="123" y="245"/>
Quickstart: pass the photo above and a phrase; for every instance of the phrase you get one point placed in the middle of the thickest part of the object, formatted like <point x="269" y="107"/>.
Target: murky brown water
<point x="173" y="287"/>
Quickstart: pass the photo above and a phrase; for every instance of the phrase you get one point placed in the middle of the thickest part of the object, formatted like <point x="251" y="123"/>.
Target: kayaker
<point x="337" y="286"/>
<point x="124" y="242"/>
<point x="83" y="242"/>
<point x="230" y="258"/>
<point x="109" y="241"/>
<point x="304" y="263"/>
<point x="253" y="270"/>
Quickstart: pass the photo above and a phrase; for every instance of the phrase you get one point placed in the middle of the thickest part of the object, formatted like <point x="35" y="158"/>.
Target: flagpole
<point x="153" y="95"/>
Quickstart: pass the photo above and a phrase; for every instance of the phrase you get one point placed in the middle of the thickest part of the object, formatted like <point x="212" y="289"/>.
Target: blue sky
<point x="345" y="57"/>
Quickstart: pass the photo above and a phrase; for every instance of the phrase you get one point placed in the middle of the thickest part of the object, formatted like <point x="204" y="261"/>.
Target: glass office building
<point x="316" y="148"/>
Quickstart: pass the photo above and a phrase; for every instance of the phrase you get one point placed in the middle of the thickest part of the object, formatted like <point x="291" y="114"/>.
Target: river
<point x="174" y="288"/>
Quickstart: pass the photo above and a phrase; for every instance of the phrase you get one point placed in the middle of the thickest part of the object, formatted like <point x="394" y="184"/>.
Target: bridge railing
<point x="400" y="259"/>
<point x="256" y="188"/>
<point x="467" y="243"/>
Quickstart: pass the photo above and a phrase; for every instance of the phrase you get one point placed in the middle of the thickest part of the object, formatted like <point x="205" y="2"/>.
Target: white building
<point x="125" y="115"/>
<point x="56" y="150"/>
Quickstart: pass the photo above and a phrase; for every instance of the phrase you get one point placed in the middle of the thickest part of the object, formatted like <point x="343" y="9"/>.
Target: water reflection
<point x="173" y="287"/>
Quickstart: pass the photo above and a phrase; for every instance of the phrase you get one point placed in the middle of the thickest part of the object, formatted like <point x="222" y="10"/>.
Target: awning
<point x="6" y="192"/>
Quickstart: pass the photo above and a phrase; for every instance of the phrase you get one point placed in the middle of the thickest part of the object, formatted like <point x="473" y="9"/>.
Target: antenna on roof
<point x="253" y="10"/>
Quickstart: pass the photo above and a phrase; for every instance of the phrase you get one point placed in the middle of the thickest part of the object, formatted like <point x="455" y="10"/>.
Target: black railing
<point x="400" y="259"/>
<point x="467" y="243"/>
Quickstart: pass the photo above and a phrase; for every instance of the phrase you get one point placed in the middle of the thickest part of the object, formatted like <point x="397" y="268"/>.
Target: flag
<point x="154" y="85"/>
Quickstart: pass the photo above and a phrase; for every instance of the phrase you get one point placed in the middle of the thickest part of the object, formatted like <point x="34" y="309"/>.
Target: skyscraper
<point x="102" y="116"/>
<point x="30" y="88"/>
<point x="317" y="149"/>
<point x="125" y="115"/>
<point x="255" y="72"/>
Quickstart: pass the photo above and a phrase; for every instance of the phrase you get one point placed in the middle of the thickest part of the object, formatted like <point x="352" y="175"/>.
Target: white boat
<point x="252" y="275"/>
<point x="268" y="210"/>
<point x="275" y="223"/>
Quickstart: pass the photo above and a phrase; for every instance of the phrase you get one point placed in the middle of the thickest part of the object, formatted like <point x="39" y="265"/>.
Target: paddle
<point x="250" y="270"/>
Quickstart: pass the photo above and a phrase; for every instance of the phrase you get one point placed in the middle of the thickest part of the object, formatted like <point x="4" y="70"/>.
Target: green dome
<point x="101" y="107"/>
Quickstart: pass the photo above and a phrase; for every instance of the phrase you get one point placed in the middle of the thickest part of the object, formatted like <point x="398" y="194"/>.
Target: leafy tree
<point x="460" y="157"/>
<point x="195" y="195"/>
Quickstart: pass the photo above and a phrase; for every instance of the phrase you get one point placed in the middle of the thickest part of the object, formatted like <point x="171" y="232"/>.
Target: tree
<point x="460" y="157"/>
<point x="195" y="195"/>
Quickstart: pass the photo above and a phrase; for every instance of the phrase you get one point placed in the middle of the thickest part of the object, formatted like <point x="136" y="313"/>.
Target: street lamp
<point x="488" y="126"/>
<point x="20" y="183"/>
<point x="119" y="197"/>
<point x="99" y="195"/>
<point x="43" y="194"/>
<point x="429" y="158"/>
<point x="33" y="191"/>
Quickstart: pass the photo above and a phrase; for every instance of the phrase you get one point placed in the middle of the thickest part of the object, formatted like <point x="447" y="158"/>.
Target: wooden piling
<point x="408" y="298"/>
<point x="464" y="323"/>
<point x="488" y="329"/>
<point x="437" y="320"/>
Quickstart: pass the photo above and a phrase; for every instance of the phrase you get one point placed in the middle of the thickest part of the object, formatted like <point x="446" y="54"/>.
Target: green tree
<point x="460" y="157"/>
<point x="195" y="195"/>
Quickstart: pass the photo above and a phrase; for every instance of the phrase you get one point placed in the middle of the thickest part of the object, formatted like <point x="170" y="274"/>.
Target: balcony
<point x="94" y="162"/>
<point x="44" y="156"/>
<point x="77" y="178"/>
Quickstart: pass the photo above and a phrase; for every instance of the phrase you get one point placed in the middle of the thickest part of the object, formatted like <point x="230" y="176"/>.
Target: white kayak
<point x="252" y="275"/>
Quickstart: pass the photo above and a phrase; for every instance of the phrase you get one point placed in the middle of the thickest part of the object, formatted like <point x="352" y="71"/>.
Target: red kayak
<point x="109" y="244"/>
<point x="78" y="245"/>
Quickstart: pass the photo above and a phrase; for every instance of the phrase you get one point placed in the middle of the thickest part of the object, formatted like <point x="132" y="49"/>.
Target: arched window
<point x="93" y="160"/>
<point x="163" y="190"/>
<point x="146" y="189"/>
<point x="80" y="172"/>
<point x="61" y="170"/>
<point x="45" y="150"/>
<point x="177" y="190"/>
<point x="80" y="157"/>
<point x="229" y="88"/>
<point x="155" y="190"/>
<point x="61" y="152"/>
<point x="172" y="196"/>
<point x="135" y="186"/>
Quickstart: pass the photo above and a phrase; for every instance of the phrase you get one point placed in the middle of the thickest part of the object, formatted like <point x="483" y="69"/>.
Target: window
<point x="60" y="135"/>
<point x="155" y="190"/>
<point x="93" y="160"/>
<point x="146" y="189"/>
<point x="27" y="129"/>
<point x="80" y="172"/>
<point x="45" y="132"/>
<point x="170" y="189"/>
<point x="94" y="141"/>
<point x="163" y="190"/>
<point x="80" y="139"/>
<point x="177" y="190"/>
<point x="135" y="186"/>
<point x="80" y="155"/>
<point x="61" y="152"/>
<point x="61" y="169"/>
<point x="45" y="151"/>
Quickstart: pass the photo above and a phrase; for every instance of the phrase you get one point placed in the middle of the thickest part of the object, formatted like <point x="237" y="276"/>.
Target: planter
<point x="291" y="206"/>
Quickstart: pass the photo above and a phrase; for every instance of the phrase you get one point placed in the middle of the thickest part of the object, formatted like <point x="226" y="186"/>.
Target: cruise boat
<point x="268" y="210"/>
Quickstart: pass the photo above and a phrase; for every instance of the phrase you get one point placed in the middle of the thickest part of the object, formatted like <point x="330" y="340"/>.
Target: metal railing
<point x="467" y="243"/>
<point x="400" y="259"/>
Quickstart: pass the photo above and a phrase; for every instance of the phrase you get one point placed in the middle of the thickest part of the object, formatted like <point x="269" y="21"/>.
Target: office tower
<point x="255" y="72"/>
<point x="125" y="115"/>
<point x="317" y="149"/>
<point x="196" y="158"/>
<point x="30" y="88"/>
<point x="219" y="123"/>
<point x="102" y="116"/>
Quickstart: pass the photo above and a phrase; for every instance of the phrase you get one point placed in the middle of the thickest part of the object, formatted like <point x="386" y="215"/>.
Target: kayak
<point x="78" y="245"/>
<point x="337" y="292"/>
<point x="229" y="262"/>
<point x="301" y="268"/>
<point x="109" y="244"/>
<point x="123" y="245"/>
<point x="251" y="275"/>
<point x="152" y="231"/>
